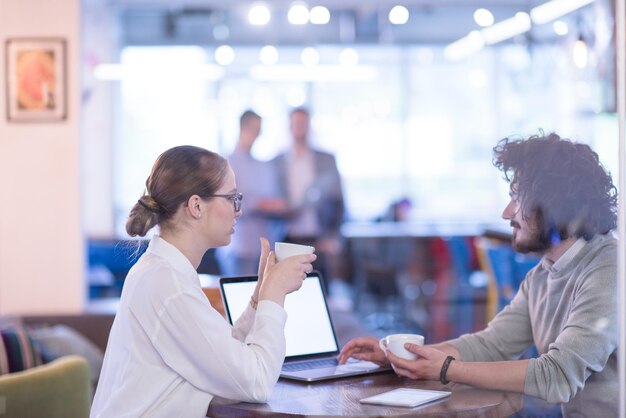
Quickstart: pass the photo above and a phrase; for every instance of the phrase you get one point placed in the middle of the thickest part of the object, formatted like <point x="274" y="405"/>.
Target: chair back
<point x="505" y="268"/>
<point x="59" y="389"/>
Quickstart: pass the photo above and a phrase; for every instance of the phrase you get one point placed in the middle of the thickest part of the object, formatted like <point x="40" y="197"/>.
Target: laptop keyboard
<point x="310" y="364"/>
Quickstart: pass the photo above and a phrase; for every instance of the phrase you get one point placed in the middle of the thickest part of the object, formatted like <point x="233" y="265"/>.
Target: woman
<point x="169" y="352"/>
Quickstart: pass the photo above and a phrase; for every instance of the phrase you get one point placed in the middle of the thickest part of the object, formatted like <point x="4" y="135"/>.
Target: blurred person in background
<point x="310" y="180"/>
<point x="265" y="205"/>
<point x="563" y="205"/>
<point x="170" y="353"/>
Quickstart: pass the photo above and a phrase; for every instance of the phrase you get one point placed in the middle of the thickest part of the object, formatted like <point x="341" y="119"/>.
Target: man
<point x="311" y="182"/>
<point x="563" y="205"/>
<point x="263" y="204"/>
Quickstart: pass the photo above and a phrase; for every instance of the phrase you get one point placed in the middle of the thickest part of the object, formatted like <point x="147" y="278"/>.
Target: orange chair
<point x="211" y="288"/>
<point x="215" y="298"/>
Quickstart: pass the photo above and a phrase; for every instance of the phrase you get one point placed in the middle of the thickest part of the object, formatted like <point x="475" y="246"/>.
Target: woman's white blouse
<point x="170" y="352"/>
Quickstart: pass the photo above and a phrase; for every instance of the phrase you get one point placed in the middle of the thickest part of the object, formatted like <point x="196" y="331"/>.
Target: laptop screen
<point x="308" y="330"/>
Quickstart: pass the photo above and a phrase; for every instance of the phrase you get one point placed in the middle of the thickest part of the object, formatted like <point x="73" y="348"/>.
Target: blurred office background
<point x="410" y="96"/>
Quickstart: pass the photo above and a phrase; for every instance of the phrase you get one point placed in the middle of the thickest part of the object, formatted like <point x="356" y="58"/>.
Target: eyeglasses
<point x="235" y="197"/>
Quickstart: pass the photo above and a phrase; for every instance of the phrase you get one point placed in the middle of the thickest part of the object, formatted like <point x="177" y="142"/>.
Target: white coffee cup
<point x="284" y="250"/>
<point x="395" y="344"/>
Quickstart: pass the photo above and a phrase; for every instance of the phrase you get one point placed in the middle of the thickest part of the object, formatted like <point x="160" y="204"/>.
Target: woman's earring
<point x="199" y="215"/>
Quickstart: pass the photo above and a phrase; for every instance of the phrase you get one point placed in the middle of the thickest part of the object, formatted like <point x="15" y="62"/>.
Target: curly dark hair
<point x="562" y="186"/>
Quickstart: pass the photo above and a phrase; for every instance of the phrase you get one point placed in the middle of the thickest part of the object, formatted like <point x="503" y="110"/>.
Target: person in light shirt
<point x="563" y="205"/>
<point x="170" y="353"/>
<point x="265" y="205"/>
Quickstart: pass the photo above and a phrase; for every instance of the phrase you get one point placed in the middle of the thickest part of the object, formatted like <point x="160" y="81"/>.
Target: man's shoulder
<point x="597" y="260"/>
<point x="602" y="249"/>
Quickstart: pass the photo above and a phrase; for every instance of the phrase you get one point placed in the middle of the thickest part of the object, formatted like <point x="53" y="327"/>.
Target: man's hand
<point x="427" y="366"/>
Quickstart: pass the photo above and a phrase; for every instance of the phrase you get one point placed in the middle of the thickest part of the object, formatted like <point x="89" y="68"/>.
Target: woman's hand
<point x="426" y="367"/>
<point x="265" y="252"/>
<point x="280" y="279"/>
<point x="365" y="348"/>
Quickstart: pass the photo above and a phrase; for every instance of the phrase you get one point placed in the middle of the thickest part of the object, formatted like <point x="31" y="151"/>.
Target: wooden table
<point x="340" y="398"/>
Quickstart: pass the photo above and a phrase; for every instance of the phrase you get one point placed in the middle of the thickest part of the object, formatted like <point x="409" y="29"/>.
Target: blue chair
<point x="116" y="257"/>
<point x="506" y="270"/>
<point x="462" y="294"/>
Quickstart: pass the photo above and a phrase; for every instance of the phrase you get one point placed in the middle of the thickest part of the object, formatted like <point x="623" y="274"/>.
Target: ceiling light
<point x="399" y="15"/>
<point x="298" y="14"/>
<point x="268" y="55"/>
<point x="348" y="57"/>
<point x="580" y="53"/>
<point x="319" y="73"/>
<point x="259" y="15"/>
<point x="554" y="9"/>
<point x="464" y="47"/>
<point x="319" y="15"/>
<point x="506" y="29"/>
<point x="118" y="72"/>
<point x="224" y="55"/>
<point x="560" y="28"/>
<point x="310" y="56"/>
<point x="483" y="17"/>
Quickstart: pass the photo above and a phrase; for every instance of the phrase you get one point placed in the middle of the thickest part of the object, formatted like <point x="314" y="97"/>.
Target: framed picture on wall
<point x="36" y="87"/>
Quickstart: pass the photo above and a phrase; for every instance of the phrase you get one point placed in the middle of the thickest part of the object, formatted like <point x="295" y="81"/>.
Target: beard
<point x="538" y="241"/>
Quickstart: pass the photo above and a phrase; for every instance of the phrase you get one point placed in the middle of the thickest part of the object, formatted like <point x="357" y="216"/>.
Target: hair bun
<point x="151" y="205"/>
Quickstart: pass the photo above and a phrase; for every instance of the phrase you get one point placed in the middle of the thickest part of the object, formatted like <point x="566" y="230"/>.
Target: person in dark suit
<point x="310" y="180"/>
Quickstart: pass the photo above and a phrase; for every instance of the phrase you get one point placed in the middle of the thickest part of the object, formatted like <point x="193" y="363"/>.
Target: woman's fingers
<point x="364" y="348"/>
<point x="265" y="250"/>
<point x="265" y="246"/>
<point x="302" y="264"/>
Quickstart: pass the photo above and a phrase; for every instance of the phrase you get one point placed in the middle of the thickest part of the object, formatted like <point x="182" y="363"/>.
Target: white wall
<point x="41" y="244"/>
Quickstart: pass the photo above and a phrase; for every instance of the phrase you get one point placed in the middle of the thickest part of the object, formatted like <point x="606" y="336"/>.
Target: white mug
<point x="395" y="344"/>
<point x="284" y="250"/>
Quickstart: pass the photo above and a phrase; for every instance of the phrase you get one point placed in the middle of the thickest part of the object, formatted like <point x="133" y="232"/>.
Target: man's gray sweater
<point x="570" y="314"/>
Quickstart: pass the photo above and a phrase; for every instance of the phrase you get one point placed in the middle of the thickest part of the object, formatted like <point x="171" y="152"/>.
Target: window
<point x="403" y="123"/>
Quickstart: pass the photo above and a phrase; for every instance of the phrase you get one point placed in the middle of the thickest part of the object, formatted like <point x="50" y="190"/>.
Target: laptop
<point x="311" y="340"/>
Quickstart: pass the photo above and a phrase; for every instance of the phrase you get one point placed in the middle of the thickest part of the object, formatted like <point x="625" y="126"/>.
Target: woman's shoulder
<point x="153" y="276"/>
